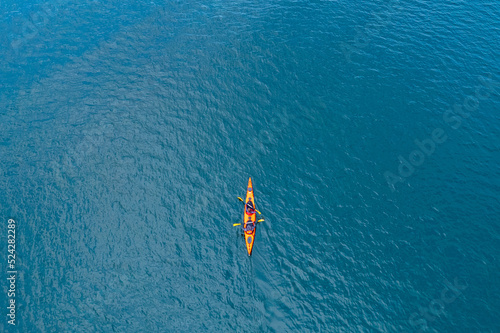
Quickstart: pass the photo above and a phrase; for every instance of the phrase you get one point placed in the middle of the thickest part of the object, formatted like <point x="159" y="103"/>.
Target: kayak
<point x="249" y="219"/>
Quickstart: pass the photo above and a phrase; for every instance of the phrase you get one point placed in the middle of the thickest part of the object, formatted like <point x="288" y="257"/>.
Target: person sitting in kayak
<point x="250" y="225"/>
<point x="250" y="209"/>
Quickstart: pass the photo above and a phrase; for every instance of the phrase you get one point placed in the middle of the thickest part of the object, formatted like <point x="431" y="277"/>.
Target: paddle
<point x="244" y="202"/>
<point x="236" y="224"/>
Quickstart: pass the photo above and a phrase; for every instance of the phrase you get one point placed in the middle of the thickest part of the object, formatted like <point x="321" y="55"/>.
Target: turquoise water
<point x="370" y="131"/>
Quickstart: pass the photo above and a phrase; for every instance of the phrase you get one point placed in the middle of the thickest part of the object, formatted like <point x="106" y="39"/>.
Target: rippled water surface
<point x="370" y="130"/>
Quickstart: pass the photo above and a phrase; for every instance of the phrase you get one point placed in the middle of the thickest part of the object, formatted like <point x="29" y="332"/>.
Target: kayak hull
<point x="249" y="235"/>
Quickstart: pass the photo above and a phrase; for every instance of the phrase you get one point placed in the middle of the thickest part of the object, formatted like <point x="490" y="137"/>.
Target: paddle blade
<point x="234" y="225"/>
<point x="240" y="199"/>
<point x="258" y="212"/>
<point x="261" y="220"/>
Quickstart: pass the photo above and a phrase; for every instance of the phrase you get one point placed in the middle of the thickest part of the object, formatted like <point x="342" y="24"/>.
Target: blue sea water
<point x="370" y="130"/>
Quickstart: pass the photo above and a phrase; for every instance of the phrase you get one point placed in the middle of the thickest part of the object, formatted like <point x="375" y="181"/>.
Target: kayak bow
<point x="249" y="219"/>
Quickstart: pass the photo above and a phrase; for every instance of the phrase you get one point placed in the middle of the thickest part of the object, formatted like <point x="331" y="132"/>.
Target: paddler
<point x="250" y="209"/>
<point x="250" y="225"/>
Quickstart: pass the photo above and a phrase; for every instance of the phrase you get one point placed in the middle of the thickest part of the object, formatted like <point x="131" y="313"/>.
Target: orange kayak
<point x="249" y="220"/>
